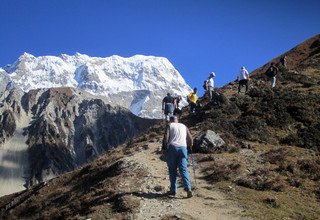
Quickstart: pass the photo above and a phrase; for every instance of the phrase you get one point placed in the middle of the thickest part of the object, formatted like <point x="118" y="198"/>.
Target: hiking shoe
<point x="171" y="194"/>
<point x="189" y="194"/>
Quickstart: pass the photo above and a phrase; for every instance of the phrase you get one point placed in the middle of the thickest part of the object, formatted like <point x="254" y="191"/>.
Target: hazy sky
<point x="197" y="36"/>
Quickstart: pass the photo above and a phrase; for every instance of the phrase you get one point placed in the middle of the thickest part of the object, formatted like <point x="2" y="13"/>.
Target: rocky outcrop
<point x="67" y="128"/>
<point x="208" y="142"/>
<point x="7" y="125"/>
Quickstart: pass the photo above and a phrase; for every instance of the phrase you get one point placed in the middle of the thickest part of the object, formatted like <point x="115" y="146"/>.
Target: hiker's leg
<point x="192" y="107"/>
<point x="210" y="92"/>
<point x="240" y="86"/>
<point x="247" y="85"/>
<point x="274" y="81"/>
<point x="172" y="167"/>
<point x="183" y="168"/>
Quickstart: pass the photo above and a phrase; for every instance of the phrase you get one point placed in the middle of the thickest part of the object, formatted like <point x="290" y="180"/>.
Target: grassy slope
<point x="277" y="176"/>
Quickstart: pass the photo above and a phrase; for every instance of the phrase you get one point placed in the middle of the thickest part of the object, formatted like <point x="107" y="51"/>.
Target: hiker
<point x="205" y="87"/>
<point x="192" y="99"/>
<point x="243" y="79"/>
<point x="283" y="61"/>
<point x="178" y="138"/>
<point x="210" y="85"/>
<point x="177" y="111"/>
<point x="272" y="72"/>
<point x="167" y="105"/>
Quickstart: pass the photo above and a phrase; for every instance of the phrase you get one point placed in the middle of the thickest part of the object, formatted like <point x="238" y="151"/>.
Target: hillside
<point x="268" y="168"/>
<point x="47" y="132"/>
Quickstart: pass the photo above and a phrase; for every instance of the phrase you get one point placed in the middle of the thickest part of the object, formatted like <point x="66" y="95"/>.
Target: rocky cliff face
<point x="61" y="129"/>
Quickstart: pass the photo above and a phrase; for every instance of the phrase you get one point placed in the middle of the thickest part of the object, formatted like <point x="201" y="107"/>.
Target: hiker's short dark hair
<point x="173" y="118"/>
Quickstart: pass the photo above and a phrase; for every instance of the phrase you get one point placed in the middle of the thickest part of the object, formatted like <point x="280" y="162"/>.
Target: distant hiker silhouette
<point x="210" y="85"/>
<point x="205" y="87"/>
<point x="272" y="72"/>
<point x="168" y="105"/>
<point x="192" y="99"/>
<point x="177" y="111"/>
<point x="177" y="138"/>
<point x="243" y="78"/>
<point x="283" y="61"/>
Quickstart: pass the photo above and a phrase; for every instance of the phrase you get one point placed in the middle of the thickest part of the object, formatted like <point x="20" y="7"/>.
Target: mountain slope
<point x="138" y="83"/>
<point x="269" y="167"/>
<point x="47" y="132"/>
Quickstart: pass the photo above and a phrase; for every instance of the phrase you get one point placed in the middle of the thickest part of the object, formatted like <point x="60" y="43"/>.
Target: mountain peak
<point x="26" y="56"/>
<point x="116" y="77"/>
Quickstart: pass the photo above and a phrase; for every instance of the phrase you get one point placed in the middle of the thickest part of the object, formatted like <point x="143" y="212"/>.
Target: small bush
<point x="207" y="158"/>
<point x="296" y="182"/>
<point x="126" y="203"/>
<point x="284" y="167"/>
<point x="272" y="202"/>
<point x="261" y="179"/>
<point x="220" y="172"/>
<point x="277" y="156"/>
<point x="310" y="168"/>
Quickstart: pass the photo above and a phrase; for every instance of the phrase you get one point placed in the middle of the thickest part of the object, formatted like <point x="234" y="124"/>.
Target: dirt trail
<point x="206" y="203"/>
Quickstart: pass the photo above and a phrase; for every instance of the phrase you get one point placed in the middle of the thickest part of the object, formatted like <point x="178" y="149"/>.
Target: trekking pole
<point x="194" y="169"/>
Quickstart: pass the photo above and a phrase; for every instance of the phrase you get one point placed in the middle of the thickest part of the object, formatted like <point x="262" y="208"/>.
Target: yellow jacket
<point x="193" y="97"/>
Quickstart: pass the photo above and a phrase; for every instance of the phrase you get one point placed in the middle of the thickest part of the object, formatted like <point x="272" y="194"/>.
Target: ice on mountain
<point x="101" y="76"/>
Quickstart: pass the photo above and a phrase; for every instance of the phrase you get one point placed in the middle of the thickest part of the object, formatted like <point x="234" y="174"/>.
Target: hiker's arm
<point x="167" y="133"/>
<point x="189" y="139"/>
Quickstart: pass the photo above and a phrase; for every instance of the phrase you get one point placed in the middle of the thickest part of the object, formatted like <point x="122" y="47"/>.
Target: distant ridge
<point x="138" y="83"/>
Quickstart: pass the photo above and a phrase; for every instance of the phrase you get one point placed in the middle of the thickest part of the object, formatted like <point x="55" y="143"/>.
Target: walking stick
<point x="194" y="169"/>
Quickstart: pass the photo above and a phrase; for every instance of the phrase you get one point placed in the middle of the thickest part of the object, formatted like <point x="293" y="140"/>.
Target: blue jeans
<point x="177" y="157"/>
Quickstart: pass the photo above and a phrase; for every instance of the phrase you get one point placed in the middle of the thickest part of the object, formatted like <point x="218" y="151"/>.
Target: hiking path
<point x="206" y="203"/>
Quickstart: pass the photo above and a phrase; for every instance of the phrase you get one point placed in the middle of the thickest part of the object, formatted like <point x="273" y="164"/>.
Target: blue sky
<point x="197" y="36"/>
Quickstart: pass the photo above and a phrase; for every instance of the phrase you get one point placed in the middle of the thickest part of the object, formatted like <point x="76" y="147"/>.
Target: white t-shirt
<point x="178" y="135"/>
<point x="243" y="74"/>
<point x="211" y="82"/>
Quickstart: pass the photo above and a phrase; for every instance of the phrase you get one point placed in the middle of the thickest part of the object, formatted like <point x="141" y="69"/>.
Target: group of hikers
<point x="177" y="137"/>
<point x="272" y="72"/>
<point x="170" y="104"/>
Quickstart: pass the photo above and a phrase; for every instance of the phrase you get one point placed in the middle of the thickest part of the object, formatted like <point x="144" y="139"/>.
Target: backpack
<point x="205" y="84"/>
<point x="271" y="71"/>
<point x="169" y="99"/>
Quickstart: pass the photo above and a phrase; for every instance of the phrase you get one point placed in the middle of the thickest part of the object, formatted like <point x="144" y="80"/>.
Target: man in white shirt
<point x="211" y="84"/>
<point x="243" y="78"/>
<point x="177" y="138"/>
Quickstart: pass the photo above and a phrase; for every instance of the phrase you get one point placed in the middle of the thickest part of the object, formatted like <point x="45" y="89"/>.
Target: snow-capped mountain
<point x="138" y="83"/>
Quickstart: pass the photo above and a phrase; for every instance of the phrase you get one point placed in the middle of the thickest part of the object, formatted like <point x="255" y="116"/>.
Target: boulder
<point x="208" y="142"/>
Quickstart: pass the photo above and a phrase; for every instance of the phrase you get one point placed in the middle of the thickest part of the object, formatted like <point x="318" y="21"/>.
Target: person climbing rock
<point x="243" y="79"/>
<point x="272" y="72"/>
<point x="192" y="99"/>
<point x="168" y="106"/>
<point x="178" y="138"/>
